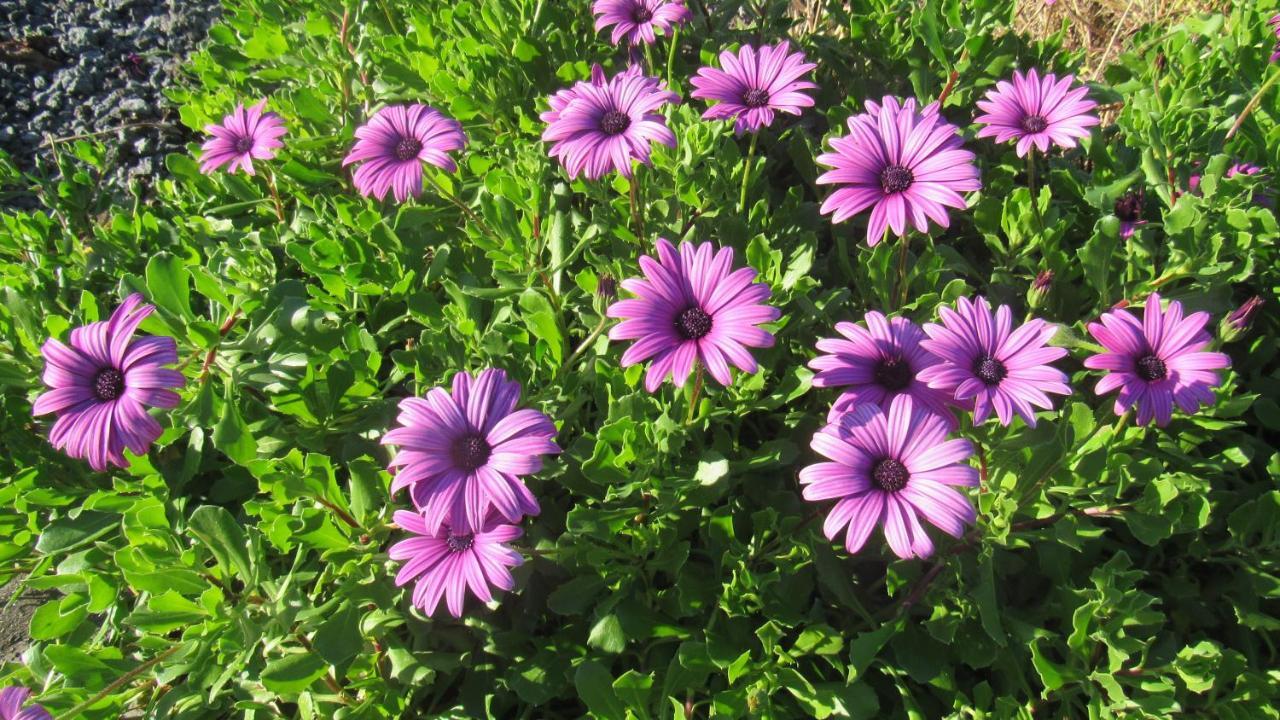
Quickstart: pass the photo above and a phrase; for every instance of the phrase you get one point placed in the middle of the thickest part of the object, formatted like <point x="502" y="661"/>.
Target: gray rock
<point x="133" y="105"/>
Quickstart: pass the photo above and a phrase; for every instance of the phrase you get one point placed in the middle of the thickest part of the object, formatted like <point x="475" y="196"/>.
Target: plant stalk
<point x="746" y="172"/>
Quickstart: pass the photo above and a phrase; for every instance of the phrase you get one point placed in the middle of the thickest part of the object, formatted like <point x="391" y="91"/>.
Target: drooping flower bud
<point x="1238" y="321"/>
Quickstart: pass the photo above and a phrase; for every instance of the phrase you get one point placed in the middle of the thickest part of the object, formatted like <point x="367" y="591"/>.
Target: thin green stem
<point x="275" y="194"/>
<point x="1252" y="105"/>
<point x="746" y="172"/>
<point x="637" y="216"/>
<point x="120" y="682"/>
<point x="671" y="55"/>
<point x="904" y="243"/>
<point x="1031" y="184"/>
<point x="582" y="348"/>
<point x="693" y="397"/>
<point x="457" y="201"/>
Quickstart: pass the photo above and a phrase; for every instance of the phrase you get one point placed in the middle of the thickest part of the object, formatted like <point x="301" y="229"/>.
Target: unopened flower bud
<point x="607" y="287"/>
<point x="1238" y="321"/>
<point x="1040" y="288"/>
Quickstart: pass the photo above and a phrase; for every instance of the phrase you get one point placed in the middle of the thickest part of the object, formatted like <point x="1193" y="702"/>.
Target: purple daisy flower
<point x="1156" y="362"/>
<point x="888" y="469"/>
<point x="1274" y="22"/>
<point x="102" y="384"/>
<point x="393" y="145"/>
<point x="607" y="123"/>
<point x="464" y="453"/>
<point x="445" y="561"/>
<point x="908" y="166"/>
<point x="1236" y="170"/>
<point x="692" y="307"/>
<point x="877" y="364"/>
<point x="245" y="134"/>
<point x="1036" y="111"/>
<point x="985" y="360"/>
<point x="11" y="701"/>
<point x="754" y="84"/>
<point x="636" y="20"/>
<point x="1129" y="209"/>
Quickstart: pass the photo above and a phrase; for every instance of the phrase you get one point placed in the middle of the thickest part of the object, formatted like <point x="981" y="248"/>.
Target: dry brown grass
<point x="1103" y="28"/>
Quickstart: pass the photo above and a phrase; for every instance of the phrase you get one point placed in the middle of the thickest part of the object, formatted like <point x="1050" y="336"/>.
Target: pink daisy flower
<point x="11" y="701"/>
<point x="447" y="561"/>
<point x="1035" y="110"/>
<point x="1129" y="209"/>
<point x="889" y="468"/>
<point x="988" y="362"/>
<point x="1157" y="362"/>
<point x="692" y="306"/>
<point x="464" y="453"/>
<point x="754" y="84"/>
<point x="393" y="145"/>
<point x="605" y="124"/>
<point x="636" y="20"/>
<point x="245" y="134"/>
<point x="876" y="364"/>
<point x="102" y="384"/>
<point x="908" y="166"/>
<point x="1274" y="22"/>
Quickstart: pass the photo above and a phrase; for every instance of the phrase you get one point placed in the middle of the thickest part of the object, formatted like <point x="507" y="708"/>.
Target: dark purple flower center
<point x="755" y="97"/>
<point x="641" y="14"/>
<point x="989" y="370"/>
<point x="893" y="373"/>
<point x="615" y="122"/>
<point x="1151" y="368"/>
<point x="243" y="144"/>
<point x="108" y="384"/>
<point x="459" y="543"/>
<point x="1129" y="206"/>
<point x="895" y="179"/>
<point x="470" y="451"/>
<point x="890" y="475"/>
<point x="407" y="149"/>
<point x="1034" y="123"/>
<point x="693" y="323"/>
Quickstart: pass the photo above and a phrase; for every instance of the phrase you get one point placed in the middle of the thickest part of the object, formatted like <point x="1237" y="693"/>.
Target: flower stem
<point x="693" y="397"/>
<point x="471" y="215"/>
<point x="1031" y="184"/>
<point x="275" y="194"/>
<point x="746" y="172"/>
<point x="582" y="348"/>
<point x="671" y="54"/>
<point x="904" y="242"/>
<point x="637" y="217"/>
<point x="121" y="681"/>
<point x="1252" y="105"/>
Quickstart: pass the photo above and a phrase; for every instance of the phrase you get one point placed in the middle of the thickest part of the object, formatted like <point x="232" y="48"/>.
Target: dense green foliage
<point x="675" y="570"/>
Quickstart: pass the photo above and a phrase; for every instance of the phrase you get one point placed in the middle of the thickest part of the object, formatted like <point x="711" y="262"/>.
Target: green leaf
<point x="169" y="285"/>
<point x="607" y="634"/>
<point x="225" y="539"/>
<point x="231" y="435"/>
<point x="66" y="534"/>
<point x="595" y="688"/>
<point x="338" y="639"/>
<point x="293" y="673"/>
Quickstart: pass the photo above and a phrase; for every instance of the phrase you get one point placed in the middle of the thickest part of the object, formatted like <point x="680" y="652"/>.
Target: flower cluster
<point x="888" y="460"/>
<point x="463" y="453"/>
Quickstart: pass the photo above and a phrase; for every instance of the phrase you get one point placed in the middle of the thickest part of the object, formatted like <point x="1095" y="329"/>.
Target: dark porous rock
<point x="77" y="67"/>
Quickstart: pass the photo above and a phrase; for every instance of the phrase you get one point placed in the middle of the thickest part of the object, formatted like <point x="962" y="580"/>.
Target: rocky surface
<point x="69" y="67"/>
<point x="17" y="605"/>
